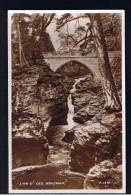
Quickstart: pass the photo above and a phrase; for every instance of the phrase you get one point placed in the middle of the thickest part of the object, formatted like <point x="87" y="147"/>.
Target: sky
<point x="71" y="27"/>
<point x="53" y="35"/>
<point x="51" y="29"/>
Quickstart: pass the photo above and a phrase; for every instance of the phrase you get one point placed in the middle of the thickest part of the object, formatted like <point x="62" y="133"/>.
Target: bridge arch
<point x="74" y="68"/>
<point x="91" y="63"/>
<point x="56" y="60"/>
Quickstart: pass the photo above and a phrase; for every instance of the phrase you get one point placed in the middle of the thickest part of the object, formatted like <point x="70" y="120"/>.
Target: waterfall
<point x="71" y="123"/>
<point x="71" y="112"/>
<point x="46" y="123"/>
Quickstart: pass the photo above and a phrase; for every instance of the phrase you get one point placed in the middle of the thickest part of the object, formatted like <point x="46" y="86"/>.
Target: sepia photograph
<point x="66" y="86"/>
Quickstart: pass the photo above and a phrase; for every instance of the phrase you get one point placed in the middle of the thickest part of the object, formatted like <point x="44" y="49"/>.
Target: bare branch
<point x="71" y="36"/>
<point x="61" y="25"/>
<point x="49" y="21"/>
<point x="84" y="38"/>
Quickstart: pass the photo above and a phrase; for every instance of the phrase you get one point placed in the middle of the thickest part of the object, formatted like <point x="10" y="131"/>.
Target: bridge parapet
<point x="56" y="60"/>
<point x="77" y="54"/>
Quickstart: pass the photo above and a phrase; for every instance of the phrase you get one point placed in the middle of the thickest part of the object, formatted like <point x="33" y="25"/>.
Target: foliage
<point x="81" y="37"/>
<point x="34" y="38"/>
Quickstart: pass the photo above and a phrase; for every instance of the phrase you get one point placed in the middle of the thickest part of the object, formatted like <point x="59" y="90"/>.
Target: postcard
<point x="66" y="101"/>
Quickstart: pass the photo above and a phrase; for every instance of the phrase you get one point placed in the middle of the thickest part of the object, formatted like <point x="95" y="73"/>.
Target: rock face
<point x="29" y="151"/>
<point x="53" y="96"/>
<point x="96" y="140"/>
<point x="95" y="145"/>
<point x="24" y="100"/>
<point x="110" y="144"/>
<point x="82" y="116"/>
<point x="39" y="99"/>
<point x="88" y="100"/>
<point x="83" y="150"/>
<point x="40" y="103"/>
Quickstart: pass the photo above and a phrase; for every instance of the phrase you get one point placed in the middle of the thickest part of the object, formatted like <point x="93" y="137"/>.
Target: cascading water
<point x="57" y="164"/>
<point x="46" y="124"/>
<point x="71" y="123"/>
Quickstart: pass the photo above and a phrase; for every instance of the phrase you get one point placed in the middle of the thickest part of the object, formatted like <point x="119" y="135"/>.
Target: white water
<point x="71" y="123"/>
<point x="46" y="124"/>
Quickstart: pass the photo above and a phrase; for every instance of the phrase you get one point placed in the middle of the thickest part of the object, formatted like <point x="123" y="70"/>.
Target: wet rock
<point x="105" y="175"/>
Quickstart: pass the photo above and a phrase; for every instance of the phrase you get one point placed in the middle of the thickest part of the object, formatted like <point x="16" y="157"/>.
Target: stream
<point x="53" y="172"/>
<point x="71" y="123"/>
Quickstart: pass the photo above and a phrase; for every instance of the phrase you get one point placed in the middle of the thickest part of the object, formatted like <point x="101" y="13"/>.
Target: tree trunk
<point x="111" y="97"/>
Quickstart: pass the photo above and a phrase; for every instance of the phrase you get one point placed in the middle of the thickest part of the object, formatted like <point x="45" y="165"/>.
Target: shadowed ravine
<point x="78" y="155"/>
<point x="55" y="172"/>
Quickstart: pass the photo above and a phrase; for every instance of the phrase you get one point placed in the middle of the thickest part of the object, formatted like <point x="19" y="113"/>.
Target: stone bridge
<point x="56" y="60"/>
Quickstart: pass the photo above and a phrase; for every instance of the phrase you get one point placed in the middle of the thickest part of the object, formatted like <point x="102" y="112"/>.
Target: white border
<point x="123" y="190"/>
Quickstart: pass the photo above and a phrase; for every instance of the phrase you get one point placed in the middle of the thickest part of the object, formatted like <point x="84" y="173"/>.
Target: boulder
<point x="93" y="143"/>
<point x="82" y="116"/>
<point x="29" y="151"/>
<point x="83" y="149"/>
<point x="68" y="137"/>
<point x="110" y="143"/>
<point x="112" y="120"/>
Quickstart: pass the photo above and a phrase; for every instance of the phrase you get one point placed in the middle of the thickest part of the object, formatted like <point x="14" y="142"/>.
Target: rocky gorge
<point x="62" y="120"/>
<point x="96" y="139"/>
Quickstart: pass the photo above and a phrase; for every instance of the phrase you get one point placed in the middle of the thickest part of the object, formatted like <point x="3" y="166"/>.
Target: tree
<point x="77" y="39"/>
<point x="32" y="34"/>
<point x="94" y="38"/>
<point x="112" y="30"/>
<point x="111" y="97"/>
<point x="80" y="37"/>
